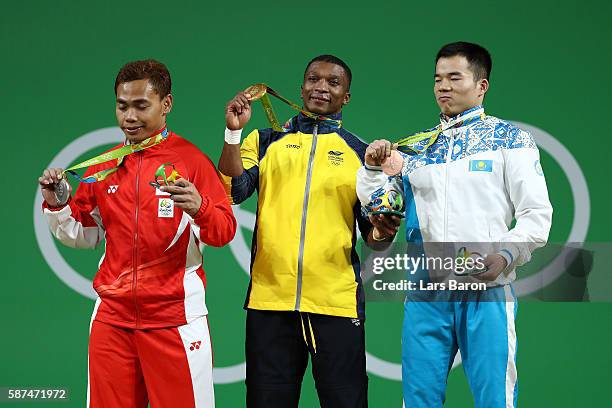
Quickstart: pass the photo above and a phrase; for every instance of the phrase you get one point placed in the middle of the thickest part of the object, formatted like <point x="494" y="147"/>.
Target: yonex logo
<point x="112" y="189"/>
<point x="195" y="345"/>
<point x="293" y="146"/>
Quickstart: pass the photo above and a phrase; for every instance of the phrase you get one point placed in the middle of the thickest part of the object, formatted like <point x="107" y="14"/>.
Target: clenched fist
<point x="378" y="151"/>
<point x="238" y="112"/>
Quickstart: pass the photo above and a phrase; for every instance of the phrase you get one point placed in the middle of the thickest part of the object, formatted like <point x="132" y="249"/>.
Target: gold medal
<point x="262" y="91"/>
<point x="392" y="166"/>
<point x="255" y="92"/>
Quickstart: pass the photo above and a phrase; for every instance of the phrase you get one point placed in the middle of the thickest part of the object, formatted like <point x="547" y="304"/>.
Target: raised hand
<point x="238" y="112"/>
<point x="378" y="151"/>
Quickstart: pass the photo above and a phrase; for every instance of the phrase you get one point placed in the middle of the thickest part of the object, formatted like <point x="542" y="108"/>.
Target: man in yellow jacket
<point x="305" y="295"/>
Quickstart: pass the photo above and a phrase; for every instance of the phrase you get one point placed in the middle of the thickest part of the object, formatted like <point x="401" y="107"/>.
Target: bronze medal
<point x="392" y="166"/>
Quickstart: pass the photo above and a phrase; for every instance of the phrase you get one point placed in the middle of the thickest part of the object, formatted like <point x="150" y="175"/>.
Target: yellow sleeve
<point x="249" y="150"/>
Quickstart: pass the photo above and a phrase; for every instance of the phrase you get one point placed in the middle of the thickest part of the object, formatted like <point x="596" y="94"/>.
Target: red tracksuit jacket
<point x="150" y="275"/>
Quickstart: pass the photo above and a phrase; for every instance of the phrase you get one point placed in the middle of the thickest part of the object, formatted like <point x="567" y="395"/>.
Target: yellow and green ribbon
<point x="117" y="154"/>
<point x="407" y="144"/>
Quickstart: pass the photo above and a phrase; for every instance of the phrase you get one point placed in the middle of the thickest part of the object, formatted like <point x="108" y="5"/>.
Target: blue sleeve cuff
<point x="507" y="256"/>
<point x="372" y="168"/>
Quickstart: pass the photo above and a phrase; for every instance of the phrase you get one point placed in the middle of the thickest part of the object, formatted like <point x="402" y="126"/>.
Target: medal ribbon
<point x="261" y="91"/>
<point x="406" y="145"/>
<point x="117" y="154"/>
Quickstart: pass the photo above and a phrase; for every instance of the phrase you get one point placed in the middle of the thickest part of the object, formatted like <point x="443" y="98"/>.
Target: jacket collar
<point x="455" y="121"/>
<point x="304" y="124"/>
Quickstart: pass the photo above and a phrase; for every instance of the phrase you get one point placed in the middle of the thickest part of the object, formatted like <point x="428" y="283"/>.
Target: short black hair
<point x="334" y="60"/>
<point x="156" y="72"/>
<point x="477" y="56"/>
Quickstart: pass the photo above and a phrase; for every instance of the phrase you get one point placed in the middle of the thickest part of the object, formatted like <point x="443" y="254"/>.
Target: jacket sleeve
<point x="372" y="183"/>
<point x="214" y="223"/>
<point x="238" y="189"/>
<point x="78" y="223"/>
<point x="526" y="187"/>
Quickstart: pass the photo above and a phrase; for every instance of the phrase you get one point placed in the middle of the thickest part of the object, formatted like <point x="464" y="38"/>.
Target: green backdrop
<point x="58" y="64"/>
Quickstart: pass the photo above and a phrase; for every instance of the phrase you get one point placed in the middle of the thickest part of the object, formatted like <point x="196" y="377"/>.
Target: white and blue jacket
<point x="469" y="185"/>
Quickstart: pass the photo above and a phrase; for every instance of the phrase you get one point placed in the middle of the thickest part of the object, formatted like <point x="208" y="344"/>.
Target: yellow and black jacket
<point x="303" y="254"/>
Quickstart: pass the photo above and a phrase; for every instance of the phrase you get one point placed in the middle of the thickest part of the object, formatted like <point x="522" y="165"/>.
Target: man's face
<point x="140" y="110"/>
<point x="325" y="89"/>
<point x="454" y="86"/>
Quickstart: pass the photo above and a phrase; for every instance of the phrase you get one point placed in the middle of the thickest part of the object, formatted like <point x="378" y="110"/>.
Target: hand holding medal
<point x="261" y="91"/>
<point x="384" y="154"/>
<point x="54" y="187"/>
<point x="238" y="111"/>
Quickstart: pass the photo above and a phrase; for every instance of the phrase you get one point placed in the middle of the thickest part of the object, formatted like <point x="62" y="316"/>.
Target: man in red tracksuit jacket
<point x="149" y="339"/>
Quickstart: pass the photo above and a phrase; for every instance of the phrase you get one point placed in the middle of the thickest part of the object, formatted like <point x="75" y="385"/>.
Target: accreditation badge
<point x="165" y="208"/>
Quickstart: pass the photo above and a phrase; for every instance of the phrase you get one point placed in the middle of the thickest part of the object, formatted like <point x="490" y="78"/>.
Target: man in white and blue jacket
<point x="478" y="175"/>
